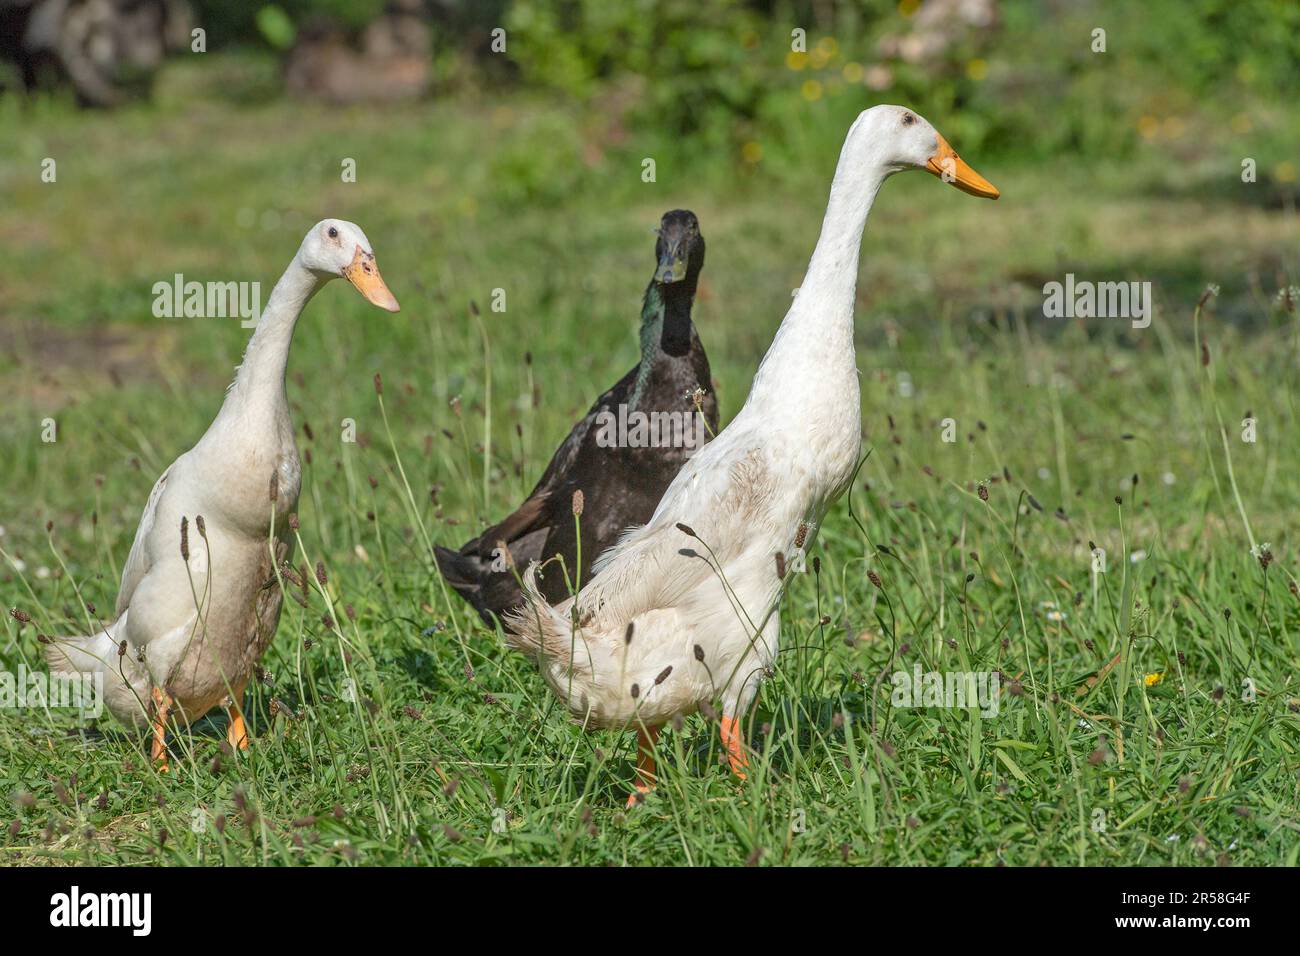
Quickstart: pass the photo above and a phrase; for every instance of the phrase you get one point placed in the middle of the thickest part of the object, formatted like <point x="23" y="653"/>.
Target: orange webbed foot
<point x="236" y="730"/>
<point x="162" y="705"/>
<point x="733" y="740"/>
<point x="645" y="765"/>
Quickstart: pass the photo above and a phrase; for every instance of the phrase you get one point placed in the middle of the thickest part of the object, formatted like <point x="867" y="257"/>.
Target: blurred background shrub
<point x="724" y="77"/>
<point x="1014" y="73"/>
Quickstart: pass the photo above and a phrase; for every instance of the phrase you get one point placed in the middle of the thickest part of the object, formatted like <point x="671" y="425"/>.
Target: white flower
<point x="1136" y="556"/>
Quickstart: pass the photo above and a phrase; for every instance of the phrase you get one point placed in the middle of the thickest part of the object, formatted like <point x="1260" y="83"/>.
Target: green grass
<point x="450" y="750"/>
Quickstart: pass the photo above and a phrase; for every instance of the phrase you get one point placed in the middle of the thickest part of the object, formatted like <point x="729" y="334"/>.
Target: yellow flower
<point x="1155" y="677"/>
<point x="853" y="72"/>
<point x="908" y="7"/>
<point x="751" y="152"/>
<point x="977" y="69"/>
<point x="796" y="60"/>
<point x="1285" y="172"/>
<point x="812" y="90"/>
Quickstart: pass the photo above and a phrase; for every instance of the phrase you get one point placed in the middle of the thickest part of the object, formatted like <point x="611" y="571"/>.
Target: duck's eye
<point x="334" y="233"/>
<point x="908" y="119"/>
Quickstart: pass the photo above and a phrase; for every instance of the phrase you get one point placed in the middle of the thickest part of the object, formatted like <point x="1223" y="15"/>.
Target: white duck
<point x="189" y="629"/>
<point x="682" y="611"/>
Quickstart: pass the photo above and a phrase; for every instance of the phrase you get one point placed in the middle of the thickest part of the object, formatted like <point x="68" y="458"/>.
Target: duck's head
<point x="335" y="248"/>
<point x="680" y="248"/>
<point x="906" y="140"/>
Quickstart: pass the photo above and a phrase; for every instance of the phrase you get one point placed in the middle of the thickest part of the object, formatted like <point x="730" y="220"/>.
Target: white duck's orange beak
<point x="951" y="168"/>
<point x="363" y="273"/>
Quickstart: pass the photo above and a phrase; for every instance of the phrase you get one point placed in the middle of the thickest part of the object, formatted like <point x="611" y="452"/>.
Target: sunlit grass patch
<point x="399" y="731"/>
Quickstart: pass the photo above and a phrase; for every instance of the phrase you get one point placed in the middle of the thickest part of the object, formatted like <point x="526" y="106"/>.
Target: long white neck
<point x="812" y="353"/>
<point x="260" y="379"/>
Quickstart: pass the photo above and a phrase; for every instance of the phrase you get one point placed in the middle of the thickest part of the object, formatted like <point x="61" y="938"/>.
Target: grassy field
<point x="1125" y="733"/>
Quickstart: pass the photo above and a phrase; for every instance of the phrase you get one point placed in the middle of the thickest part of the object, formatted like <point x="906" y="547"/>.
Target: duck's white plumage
<point x="787" y="456"/>
<point x="195" y="629"/>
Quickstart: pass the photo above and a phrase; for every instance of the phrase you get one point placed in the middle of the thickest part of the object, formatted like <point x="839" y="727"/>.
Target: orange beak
<point x="951" y="168"/>
<point x="363" y="273"/>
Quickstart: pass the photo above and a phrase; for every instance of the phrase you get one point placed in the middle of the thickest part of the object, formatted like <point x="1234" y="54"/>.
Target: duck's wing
<point x="523" y="520"/>
<point x="534" y="513"/>
<point x="718" y="495"/>
<point x="567" y="456"/>
<point x="138" y="561"/>
<point x="537" y="510"/>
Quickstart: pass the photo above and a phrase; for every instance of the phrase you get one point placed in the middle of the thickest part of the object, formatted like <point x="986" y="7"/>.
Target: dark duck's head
<point x="680" y="250"/>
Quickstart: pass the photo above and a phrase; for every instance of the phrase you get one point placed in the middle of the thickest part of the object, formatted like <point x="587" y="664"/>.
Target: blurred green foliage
<point x="274" y="24"/>
<point x="728" y="75"/>
<point x="716" y="71"/>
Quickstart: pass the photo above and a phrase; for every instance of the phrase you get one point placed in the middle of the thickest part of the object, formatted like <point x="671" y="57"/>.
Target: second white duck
<point x="682" y="612"/>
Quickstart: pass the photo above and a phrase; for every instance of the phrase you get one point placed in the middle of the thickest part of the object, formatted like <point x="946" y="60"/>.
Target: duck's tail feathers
<point x="537" y="628"/>
<point x="462" y="571"/>
<point x="120" y="678"/>
<point x="465" y="574"/>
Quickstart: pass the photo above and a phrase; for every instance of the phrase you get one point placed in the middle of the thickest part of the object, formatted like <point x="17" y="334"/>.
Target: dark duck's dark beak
<point x="672" y="263"/>
<point x="679" y="232"/>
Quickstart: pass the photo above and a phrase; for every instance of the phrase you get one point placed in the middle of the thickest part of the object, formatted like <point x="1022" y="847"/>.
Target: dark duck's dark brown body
<point x="622" y="455"/>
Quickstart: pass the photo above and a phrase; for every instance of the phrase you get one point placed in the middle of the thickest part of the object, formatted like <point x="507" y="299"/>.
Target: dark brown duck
<point x="622" y="455"/>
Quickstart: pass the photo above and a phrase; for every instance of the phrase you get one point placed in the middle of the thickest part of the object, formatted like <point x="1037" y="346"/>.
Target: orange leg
<point x="734" y="740"/>
<point x="162" y="703"/>
<point x="645" y="762"/>
<point x="236" y="730"/>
